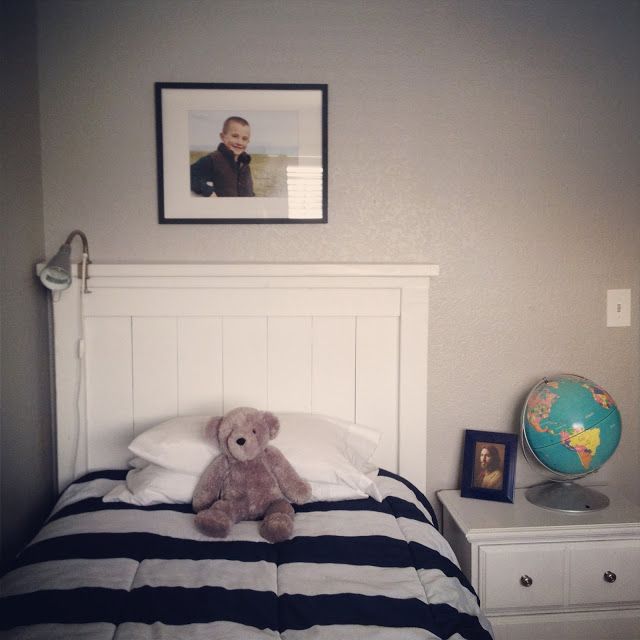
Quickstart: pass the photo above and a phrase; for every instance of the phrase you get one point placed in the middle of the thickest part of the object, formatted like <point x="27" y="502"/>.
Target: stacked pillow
<point x="331" y="454"/>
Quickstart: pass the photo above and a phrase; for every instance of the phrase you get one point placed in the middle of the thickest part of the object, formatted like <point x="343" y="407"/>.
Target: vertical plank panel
<point x="377" y="375"/>
<point x="155" y="371"/>
<point x="244" y="347"/>
<point x="289" y="362"/>
<point x="109" y="391"/>
<point x="200" y="366"/>
<point x="333" y="371"/>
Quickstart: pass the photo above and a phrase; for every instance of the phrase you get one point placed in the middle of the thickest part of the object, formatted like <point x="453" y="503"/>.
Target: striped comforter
<point x="355" y="569"/>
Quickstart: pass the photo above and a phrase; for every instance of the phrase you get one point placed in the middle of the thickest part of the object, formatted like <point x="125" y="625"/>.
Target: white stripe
<point x="93" y="489"/>
<point x="315" y="579"/>
<point x="229" y="574"/>
<point x="356" y="632"/>
<point x="346" y="523"/>
<point x="427" y="536"/>
<point x="201" y="631"/>
<point x="181" y="525"/>
<point x="441" y="589"/>
<point x="111" y="573"/>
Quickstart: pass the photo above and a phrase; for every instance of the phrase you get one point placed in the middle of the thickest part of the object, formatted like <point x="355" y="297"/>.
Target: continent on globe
<point x="601" y="396"/>
<point x="584" y="443"/>
<point x="539" y="406"/>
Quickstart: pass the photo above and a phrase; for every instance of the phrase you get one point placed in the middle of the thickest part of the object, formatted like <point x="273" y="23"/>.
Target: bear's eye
<point x="254" y="431"/>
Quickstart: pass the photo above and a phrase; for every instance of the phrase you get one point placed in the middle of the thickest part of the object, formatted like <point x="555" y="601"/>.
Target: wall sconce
<point x="56" y="274"/>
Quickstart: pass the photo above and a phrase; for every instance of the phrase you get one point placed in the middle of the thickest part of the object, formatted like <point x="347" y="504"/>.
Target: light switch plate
<point x="619" y="308"/>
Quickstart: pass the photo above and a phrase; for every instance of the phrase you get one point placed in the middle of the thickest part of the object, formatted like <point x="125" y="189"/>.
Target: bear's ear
<point x="211" y="430"/>
<point x="271" y="421"/>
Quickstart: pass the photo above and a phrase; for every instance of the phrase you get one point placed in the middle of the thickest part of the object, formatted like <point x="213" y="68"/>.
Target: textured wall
<point x="26" y="454"/>
<point x="496" y="139"/>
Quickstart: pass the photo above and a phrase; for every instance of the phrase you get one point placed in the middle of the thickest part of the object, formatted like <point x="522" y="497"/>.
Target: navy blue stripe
<point x="357" y="504"/>
<point x="301" y="612"/>
<point x="170" y="605"/>
<point x="144" y="546"/>
<point x="391" y="505"/>
<point x="103" y="474"/>
<point x="106" y="474"/>
<point x="92" y="505"/>
<point x="377" y="551"/>
<point x="402" y="509"/>
<point x="363" y="503"/>
<point x="418" y="494"/>
<point x="258" y="609"/>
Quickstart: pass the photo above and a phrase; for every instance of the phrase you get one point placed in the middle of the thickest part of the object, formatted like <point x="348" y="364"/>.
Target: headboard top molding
<point x="153" y="341"/>
<point x="253" y="269"/>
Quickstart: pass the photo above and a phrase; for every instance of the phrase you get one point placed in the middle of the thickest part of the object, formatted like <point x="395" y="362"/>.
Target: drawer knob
<point x="609" y="576"/>
<point x="526" y="581"/>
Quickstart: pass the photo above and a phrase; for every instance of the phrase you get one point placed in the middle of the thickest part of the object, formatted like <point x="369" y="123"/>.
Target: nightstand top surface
<point x="481" y="517"/>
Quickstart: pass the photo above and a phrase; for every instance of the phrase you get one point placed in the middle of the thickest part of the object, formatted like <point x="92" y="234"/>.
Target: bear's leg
<point x="277" y="524"/>
<point x="217" y="519"/>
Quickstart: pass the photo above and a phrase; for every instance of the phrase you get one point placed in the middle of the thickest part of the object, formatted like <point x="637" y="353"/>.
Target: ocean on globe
<point x="571" y="425"/>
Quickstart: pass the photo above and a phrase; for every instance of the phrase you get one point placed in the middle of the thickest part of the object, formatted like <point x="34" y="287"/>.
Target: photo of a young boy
<point x="226" y="172"/>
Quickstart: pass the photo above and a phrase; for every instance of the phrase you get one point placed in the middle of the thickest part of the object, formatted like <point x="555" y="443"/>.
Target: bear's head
<point x="243" y="433"/>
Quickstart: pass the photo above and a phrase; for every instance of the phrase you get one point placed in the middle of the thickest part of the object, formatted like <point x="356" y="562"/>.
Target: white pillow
<point x="177" y="444"/>
<point x="331" y="454"/>
<point x="149" y="484"/>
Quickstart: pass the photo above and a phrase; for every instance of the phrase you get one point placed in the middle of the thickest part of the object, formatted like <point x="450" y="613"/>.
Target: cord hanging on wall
<point x="56" y="274"/>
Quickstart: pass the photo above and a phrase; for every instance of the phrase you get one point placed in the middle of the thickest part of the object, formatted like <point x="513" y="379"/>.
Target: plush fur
<point x="249" y="479"/>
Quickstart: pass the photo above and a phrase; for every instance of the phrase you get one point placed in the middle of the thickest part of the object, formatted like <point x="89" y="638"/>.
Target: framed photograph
<point x="241" y="153"/>
<point x="489" y="465"/>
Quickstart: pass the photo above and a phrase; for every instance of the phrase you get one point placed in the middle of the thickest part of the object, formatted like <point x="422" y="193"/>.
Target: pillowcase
<point x="331" y="454"/>
<point x="149" y="484"/>
<point x="178" y="444"/>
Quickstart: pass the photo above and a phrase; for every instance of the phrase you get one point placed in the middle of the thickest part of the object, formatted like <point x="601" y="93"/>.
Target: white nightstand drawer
<point x="605" y="572"/>
<point x="522" y="576"/>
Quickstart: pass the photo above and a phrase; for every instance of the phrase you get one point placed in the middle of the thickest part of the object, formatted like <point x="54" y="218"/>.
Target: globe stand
<point x="566" y="496"/>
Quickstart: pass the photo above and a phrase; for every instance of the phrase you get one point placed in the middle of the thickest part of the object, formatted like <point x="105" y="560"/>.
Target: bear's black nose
<point x="240" y="441"/>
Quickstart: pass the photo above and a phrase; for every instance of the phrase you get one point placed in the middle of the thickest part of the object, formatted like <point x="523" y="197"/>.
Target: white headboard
<point x="152" y="341"/>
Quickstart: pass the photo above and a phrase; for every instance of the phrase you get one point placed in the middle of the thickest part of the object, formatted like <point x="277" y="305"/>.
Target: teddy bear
<point x="250" y="479"/>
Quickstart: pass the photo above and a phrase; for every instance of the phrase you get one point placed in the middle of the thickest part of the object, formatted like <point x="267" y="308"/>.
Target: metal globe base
<point x="566" y="496"/>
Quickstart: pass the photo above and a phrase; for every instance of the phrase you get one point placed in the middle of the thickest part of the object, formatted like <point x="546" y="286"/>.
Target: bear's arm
<point x="294" y="488"/>
<point x="208" y="489"/>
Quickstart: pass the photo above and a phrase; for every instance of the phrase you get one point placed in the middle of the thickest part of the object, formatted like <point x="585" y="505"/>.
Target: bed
<point x="339" y="353"/>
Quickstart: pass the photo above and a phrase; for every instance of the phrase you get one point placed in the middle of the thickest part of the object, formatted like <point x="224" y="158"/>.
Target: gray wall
<point x="26" y="458"/>
<point x="498" y="139"/>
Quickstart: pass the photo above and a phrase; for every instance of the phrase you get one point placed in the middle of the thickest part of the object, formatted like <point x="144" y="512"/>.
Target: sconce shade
<point x="57" y="273"/>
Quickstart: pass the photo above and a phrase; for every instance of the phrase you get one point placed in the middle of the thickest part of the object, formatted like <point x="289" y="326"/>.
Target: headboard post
<point x="414" y="344"/>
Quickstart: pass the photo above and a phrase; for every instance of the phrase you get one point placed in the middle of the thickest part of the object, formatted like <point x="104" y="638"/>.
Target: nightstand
<point x="547" y="574"/>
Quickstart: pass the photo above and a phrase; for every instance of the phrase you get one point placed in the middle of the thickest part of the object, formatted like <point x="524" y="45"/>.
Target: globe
<point x="570" y="427"/>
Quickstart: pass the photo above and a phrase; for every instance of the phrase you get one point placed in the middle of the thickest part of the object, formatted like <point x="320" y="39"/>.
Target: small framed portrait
<point x="489" y="465"/>
<point x="241" y="153"/>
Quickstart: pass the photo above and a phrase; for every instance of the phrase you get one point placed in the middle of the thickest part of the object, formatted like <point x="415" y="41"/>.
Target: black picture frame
<point x="285" y="179"/>
<point x="489" y="465"/>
